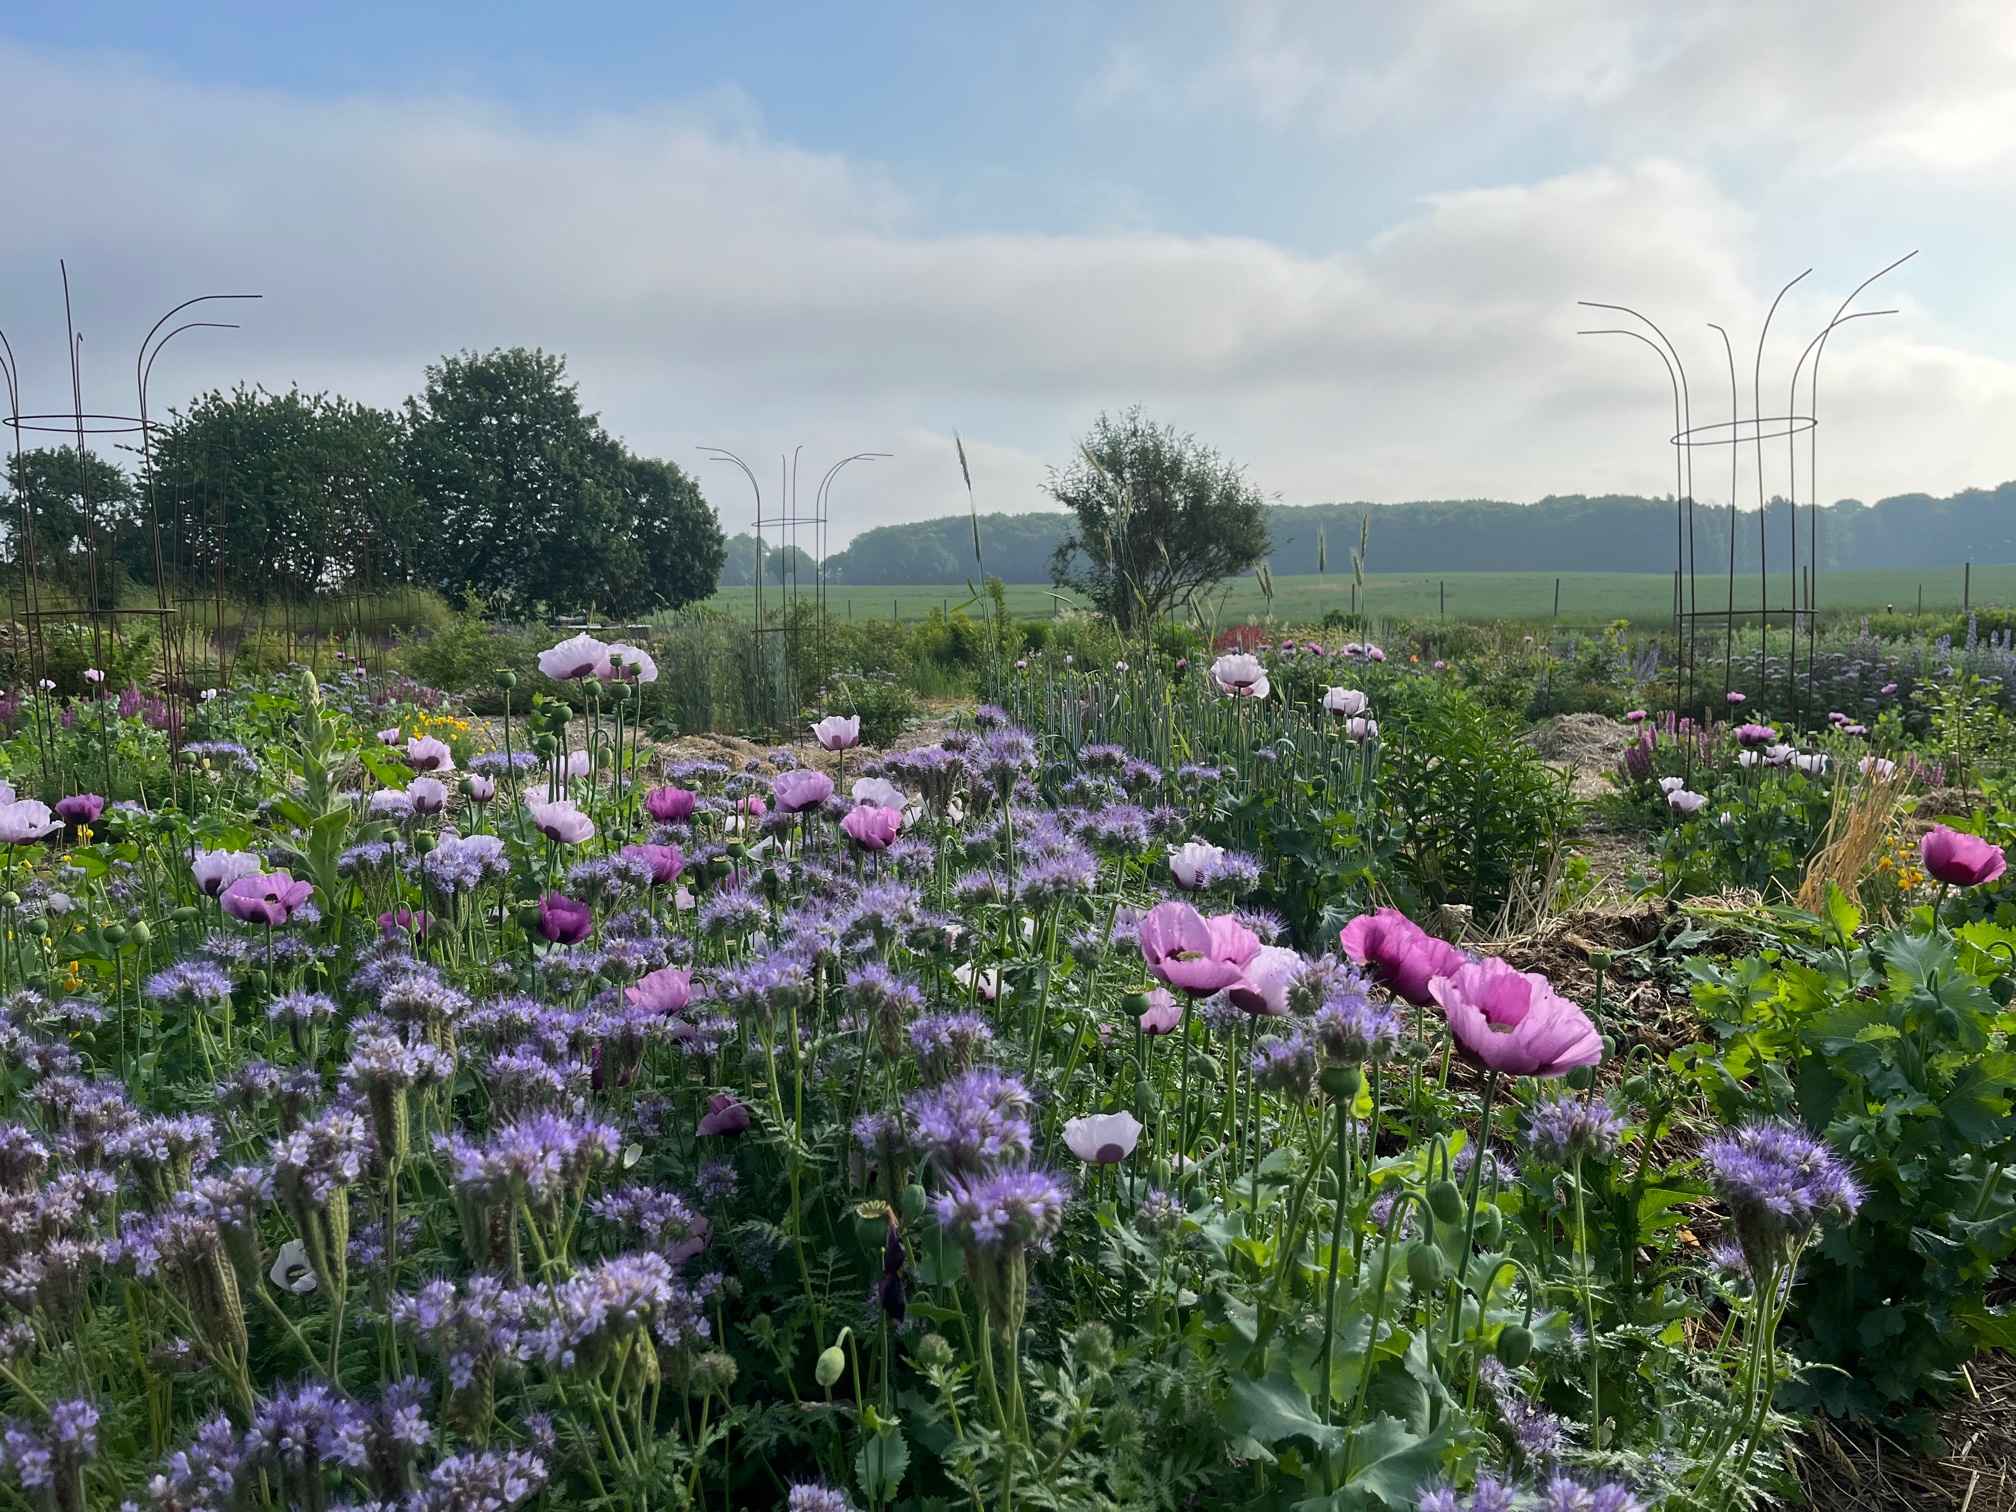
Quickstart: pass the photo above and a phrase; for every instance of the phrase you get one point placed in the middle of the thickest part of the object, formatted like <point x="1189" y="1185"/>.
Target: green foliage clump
<point x="1898" y="1048"/>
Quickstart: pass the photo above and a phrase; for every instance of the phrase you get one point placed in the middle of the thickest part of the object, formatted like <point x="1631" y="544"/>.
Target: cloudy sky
<point x="1341" y="242"/>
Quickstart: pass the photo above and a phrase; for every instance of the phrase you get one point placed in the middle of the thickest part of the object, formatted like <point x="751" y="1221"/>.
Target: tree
<point x="71" y="504"/>
<point x="780" y="563"/>
<point x="532" y="504"/>
<point x="677" y="533"/>
<point x="291" y="494"/>
<point x="1160" y="517"/>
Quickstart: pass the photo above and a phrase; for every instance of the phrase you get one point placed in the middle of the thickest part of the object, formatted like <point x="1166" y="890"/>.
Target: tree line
<point x="1561" y="533"/>
<point x="491" y="482"/>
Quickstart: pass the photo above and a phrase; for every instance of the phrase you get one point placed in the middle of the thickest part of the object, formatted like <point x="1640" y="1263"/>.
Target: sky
<point x="1341" y="243"/>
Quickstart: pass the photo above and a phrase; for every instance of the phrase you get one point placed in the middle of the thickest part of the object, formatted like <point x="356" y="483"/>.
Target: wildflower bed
<point x="1057" y="1115"/>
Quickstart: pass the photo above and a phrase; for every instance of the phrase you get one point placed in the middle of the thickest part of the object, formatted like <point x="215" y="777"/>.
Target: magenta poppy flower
<point x="1734" y="697"/>
<point x="666" y="990"/>
<point x="669" y="805"/>
<point x="269" y="899"/>
<point x="80" y="808"/>
<point x="801" y="790"/>
<point x="1754" y="737"/>
<point x="872" y="827"/>
<point x="408" y="921"/>
<point x="1635" y="716"/>
<point x="724" y="1115"/>
<point x="1887" y="689"/>
<point x="1264" y="992"/>
<point x="1193" y="954"/>
<point x="562" y="920"/>
<point x="1961" y="860"/>
<point x="665" y="861"/>
<point x="1514" y="1022"/>
<point x="1400" y="954"/>
<point x="479" y="789"/>
<point x="1163" y="1014"/>
<point x="751" y="807"/>
<point x="838" y="732"/>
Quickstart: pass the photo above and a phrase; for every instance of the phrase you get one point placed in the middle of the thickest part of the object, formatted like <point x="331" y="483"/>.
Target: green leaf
<point x="881" y="1463"/>
<point x="1389" y="1466"/>
<point x="1276" y="1408"/>
<point x="1841" y="913"/>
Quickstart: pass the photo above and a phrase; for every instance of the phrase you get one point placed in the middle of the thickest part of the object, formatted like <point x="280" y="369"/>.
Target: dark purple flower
<point x="725" y="1115"/>
<point x="80" y="808"/>
<point x="562" y="920"/>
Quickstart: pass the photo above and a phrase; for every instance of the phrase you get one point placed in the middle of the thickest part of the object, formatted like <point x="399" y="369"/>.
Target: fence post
<point x="1921" y="598"/>
<point x="1445" y="598"/>
<point x="1557" y="598"/>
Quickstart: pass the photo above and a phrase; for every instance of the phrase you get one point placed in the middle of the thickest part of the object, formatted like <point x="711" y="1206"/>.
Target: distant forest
<point x="1563" y="533"/>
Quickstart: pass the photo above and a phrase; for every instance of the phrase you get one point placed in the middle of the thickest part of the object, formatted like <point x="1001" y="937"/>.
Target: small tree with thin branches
<point x="1161" y="517"/>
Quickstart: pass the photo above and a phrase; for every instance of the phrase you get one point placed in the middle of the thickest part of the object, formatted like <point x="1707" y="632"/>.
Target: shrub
<point x="1898" y="1051"/>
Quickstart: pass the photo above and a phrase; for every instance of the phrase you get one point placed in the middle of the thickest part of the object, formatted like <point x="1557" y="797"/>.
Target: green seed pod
<point x="1426" y="1267"/>
<point x="832" y="1365"/>
<point x="912" y="1202"/>
<point x="1342" y="1082"/>
<point x="2002" y="989"/>
<point x="934" y="1351"/>
<point x="36" y="927"/>
<point x="10" y="899"/>
<point x="1581" y="1079"/>
<point x="507" y="679"/>
<point x="422" y="844"/>
<point x="871" y="1233"/>
<point x="1445" y="1201"/>
<point x="186" y="914"/>
<point x="1515" y="1345"/>
<point x="115" y="934"/>
<point x="1490" y="1225"/>
<point x="141" y="935"/>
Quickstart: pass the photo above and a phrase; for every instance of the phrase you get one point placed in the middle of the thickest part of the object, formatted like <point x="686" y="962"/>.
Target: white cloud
<point x="711" y="285"/>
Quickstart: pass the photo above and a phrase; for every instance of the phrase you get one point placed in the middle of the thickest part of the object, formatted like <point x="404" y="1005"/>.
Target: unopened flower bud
<point x="832" y="1365"/>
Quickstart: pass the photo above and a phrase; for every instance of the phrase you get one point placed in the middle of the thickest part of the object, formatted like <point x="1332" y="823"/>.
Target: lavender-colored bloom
<point x="462" y="863"/>
<point x="302" y="1008"/>
<point x="810" y="1496"/>
<point x="1285" y="1065"/>
<point x="299" y="1433"/>
<point x="322" y="1157"/>
<point x="482" y="1481"/>
<point x="1562" y="1130"/>
<point x="664" y="1220"/>
<point x="1009" y="1211"/>
<point x="204" y="1477"/>
<point x="195" y="983"/>
<point x="543" y="1156"/>
<point x="1061" y="875"/>
<point x="1780" y="1183"/>
<point x="948" y="1043"/>
<point x="974" y="1122"/>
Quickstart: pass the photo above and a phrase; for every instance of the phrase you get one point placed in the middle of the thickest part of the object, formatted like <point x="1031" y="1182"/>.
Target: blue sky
<point x="1341" y="242"/>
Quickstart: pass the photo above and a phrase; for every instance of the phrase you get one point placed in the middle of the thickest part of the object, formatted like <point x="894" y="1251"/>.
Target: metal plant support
<point x="790" y="615"/>
<point x="1738" y="432"/>
<point x="36" y="602"/>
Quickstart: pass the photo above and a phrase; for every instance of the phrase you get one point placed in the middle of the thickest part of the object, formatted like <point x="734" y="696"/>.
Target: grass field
<point x="1585" y="597"/>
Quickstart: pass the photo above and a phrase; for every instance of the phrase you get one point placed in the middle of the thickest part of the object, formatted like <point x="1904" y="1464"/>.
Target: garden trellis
<point x="796" y="610"/>
<point x="1736" y="433"/>
<point x="34" y="602"/>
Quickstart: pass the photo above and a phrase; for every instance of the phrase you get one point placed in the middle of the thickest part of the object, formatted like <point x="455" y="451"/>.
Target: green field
<point x="1585" y="597"/>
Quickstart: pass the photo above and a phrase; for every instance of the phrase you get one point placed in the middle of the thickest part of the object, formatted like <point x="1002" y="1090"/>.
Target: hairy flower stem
<point x="1462" y="1275"/>
<point x="1336" y="1246"/>
<point x="1588" y="1306"/>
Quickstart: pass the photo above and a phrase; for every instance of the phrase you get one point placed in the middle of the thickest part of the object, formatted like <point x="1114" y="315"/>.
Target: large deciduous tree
<point x="292" y="494"/>
<point x="74" y="503"/>
<point x="530" y="503"/>
<point x="1160" y="517"/>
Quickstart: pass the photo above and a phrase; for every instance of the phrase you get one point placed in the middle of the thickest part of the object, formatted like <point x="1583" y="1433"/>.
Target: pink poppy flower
<point x="1401" y="955"/>
<point x="668" y="805"/>
<point x="1514" y="1022"/>
<point x="1961" y="860"/>
<point x="1193" y="954"/>
<point x="872" y="827"/>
